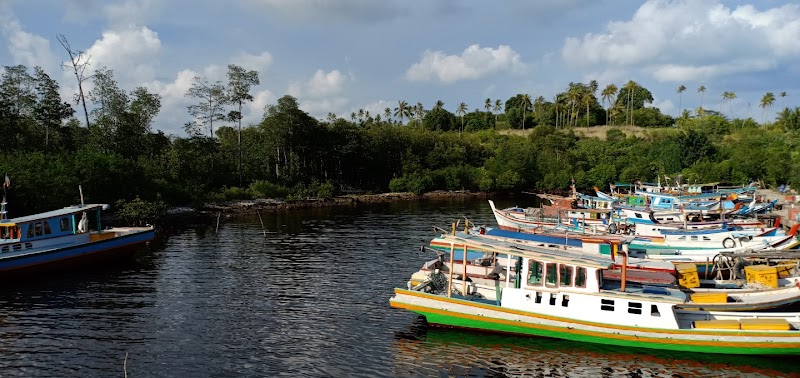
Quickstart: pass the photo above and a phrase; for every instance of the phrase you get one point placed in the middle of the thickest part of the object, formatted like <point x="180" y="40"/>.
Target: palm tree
<point x="462" y="111"/>
<point x="559" y="107"/>
<point x="629" y="87"/>
<point x="731" y="97"/>
<point x="608" y="94"/>
<point x="439" y="104"/>
<point x="387" y="113"/>
<point x="615" y="111"/>
<point x="783" y="94"/>
<point x="702" y="91"/>
<point x="420" y="112"/>
<point x="681" y="89"/>
<point x="526" y="102"/>
<point x="498" y="106"/>
<point x="488" y="104"/>
<point x="587" y="99"/>
<point x="353" y="116"/>
<point x="402" y="110"/>
<point x="767" y="102"/>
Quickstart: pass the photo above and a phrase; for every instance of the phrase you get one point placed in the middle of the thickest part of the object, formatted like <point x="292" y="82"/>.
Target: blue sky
<point x="341" y="56"/>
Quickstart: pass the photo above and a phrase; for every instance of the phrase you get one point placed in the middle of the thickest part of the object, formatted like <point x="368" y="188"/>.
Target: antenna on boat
<point x="81" y="191"/>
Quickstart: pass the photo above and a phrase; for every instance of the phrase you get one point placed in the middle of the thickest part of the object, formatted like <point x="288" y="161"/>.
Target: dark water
<point x="310" y="299"/>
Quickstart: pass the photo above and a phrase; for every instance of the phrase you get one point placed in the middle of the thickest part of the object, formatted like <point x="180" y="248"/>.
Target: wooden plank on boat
<point x="716" y="324"/>
<point x="765" y="324"/>
<point x="709" y="297"/>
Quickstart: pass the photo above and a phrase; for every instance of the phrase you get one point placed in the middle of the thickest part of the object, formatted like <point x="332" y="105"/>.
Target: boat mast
<point x="6" y="185"/>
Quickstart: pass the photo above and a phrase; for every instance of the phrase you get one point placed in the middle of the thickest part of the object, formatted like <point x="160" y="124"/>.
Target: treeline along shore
<point x="112" y="151"/>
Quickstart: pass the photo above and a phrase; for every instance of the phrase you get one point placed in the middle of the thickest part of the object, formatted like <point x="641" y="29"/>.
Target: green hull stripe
<point x="456" y="321"/>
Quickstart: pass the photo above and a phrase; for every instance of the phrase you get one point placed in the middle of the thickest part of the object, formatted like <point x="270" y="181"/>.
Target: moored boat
<point x="563" y="295"/>
<point x="63" y="239"/>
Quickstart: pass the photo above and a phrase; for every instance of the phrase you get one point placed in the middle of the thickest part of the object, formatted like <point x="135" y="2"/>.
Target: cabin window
<point x="47" y="228"/>
<point x="580" y="277"/>
<point x="5" y="249"/>
<point x="607" y="304"/>
<point x="635" y="308"/>
<point x="552" y="299"/>
<point x="694" y="237"/>
<point x="638" y="215"/>
<point x="565" y="271"/>
<point x="654" y="311"/>
<point x="64" y="224"/>
<point x="706" y="238"/>
<point x="17" y="247"/>
<point x="30" y="231"/>
<point x="5" y="232"/>
<point x="535" y="273"/>
<point x="564" y="300"/>
<point x="38" y="229"/>
<point x="28" y="245"/>
<point x="551" y="279"/>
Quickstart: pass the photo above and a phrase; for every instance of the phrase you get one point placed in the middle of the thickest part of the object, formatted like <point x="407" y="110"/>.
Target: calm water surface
<point x="309" y="299"/>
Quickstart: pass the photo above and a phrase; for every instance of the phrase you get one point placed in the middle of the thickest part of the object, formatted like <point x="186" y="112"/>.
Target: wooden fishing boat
<point x="63" y="239"/>
<point x="563" y="296"/>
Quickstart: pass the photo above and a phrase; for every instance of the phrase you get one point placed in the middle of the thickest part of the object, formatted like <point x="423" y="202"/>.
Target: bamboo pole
<point x="624" y="266"/>
<point x="464" y="278"/>
<point x="262" y="224"/>
<point x="450" y="271"/>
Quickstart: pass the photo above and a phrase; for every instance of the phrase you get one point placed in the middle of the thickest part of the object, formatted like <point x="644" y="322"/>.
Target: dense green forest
<point x="109" y="147"/>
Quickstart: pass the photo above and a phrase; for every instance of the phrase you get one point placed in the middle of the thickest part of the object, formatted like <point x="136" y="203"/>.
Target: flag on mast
<point x="7" y="182"/>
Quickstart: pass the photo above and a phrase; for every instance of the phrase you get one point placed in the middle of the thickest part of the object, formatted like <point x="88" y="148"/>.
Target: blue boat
<point x="63" y="239"/>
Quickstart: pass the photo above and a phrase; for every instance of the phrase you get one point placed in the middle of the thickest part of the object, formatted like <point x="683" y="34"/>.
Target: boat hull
<point x="103" y="250"/>
<point x="453" y="312"/>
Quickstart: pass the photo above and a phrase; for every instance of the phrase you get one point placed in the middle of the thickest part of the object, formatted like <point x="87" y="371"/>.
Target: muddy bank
<point x="209" y="213"/>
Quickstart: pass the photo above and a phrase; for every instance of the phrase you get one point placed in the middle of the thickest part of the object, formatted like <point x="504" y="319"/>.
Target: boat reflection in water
<point x="430" y="351"/>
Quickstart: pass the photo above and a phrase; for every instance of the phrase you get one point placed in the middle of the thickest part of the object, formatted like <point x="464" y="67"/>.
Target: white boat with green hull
<point x="562" y="295"/>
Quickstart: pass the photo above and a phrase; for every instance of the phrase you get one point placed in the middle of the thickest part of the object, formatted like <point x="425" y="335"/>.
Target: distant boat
<point x="62" y="239"/>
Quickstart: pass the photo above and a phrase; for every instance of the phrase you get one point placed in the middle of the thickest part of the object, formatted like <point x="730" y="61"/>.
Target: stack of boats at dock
<point x="721" y="285"/>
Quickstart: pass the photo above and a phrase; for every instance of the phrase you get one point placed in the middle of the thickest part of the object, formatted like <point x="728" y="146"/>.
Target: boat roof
<point x="51" y="214"/>
<point x="513" y="249"/>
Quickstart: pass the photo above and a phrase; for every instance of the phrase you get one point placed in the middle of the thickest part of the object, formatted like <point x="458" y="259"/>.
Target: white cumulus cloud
<point x="132" y="53"/>
<point x="692" y="40"/>
<point x="26" y="48"/>
<point x="473" y="63"/>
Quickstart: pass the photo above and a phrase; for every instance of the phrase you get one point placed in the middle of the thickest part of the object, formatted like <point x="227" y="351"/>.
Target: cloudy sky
<point x="345" y="55"/>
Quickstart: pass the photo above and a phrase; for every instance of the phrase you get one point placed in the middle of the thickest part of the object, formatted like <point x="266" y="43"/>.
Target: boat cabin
<point x="24" y="232"/>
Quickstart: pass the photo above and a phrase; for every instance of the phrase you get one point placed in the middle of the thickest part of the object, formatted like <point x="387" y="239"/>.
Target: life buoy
<point x="728" y="243"/>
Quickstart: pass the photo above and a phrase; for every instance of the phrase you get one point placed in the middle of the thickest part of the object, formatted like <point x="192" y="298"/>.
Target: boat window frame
<point x="38" y="229"/>
<point x="547" y="275"/>
<point x="46" y="226"/>
<point x="607" y="304"/>
<point x="30" y="232"/>
<point x="64" y="224"/>
<point x="585" y="276"/>
<point x="540" y="272"/>
<point x="562" y="268"/>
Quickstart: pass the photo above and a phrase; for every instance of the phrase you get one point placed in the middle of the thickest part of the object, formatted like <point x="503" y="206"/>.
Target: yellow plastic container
<point x="716" y="324"/>
<point x="765" y="324"/>
<point x="709" y="297"/>
<point x="687" y="275"/>
<point x="762" y="274"/>
<point x="785" y="270"/>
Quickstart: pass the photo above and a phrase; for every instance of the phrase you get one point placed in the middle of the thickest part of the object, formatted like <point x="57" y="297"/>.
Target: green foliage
<point x="290" y="154"/>
<point x="140" y="212"/>
<point x="266" y="189"/>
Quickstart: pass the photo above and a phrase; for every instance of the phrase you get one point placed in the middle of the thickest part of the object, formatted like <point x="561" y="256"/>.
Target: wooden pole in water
<point x="262" y="224"/>
<point x="216" y="231"/>
<point x="464" y="278"/>
<point x="450" y="270"/>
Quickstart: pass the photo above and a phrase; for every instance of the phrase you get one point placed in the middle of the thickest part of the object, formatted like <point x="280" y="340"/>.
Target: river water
<point x="308" y="299"/>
